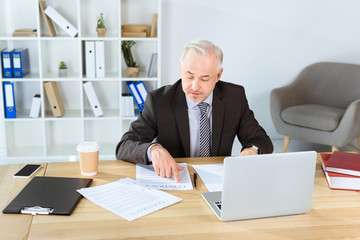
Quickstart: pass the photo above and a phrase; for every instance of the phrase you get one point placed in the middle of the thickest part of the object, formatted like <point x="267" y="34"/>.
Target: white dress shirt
<point x="194" y="125"/>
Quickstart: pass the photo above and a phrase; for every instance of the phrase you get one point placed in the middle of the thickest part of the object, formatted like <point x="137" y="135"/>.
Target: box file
<point x="140" y="87"/>
<point x="35" y="106"/>
<point x="21" y="63"/>
<point x="93" y="100"/>
<point x="100" y="59"/>
<point x="139" y="93"/>
<point x="9" y="100"/>
<point x="53" y="95"/>
<point x="90" y="59"/>
<point x="48" y="21"/>
<point x="61" y="21"/>
<point x="6" y="63"/>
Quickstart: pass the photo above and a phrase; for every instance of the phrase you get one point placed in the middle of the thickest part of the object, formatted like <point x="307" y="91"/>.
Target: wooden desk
<point x="335" y="214"/>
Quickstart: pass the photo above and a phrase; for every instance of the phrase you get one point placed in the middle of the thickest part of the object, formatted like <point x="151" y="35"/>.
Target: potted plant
<point x="62" y="69"/>
<point x="100" y="27"/>
<point x="132" y="70"/>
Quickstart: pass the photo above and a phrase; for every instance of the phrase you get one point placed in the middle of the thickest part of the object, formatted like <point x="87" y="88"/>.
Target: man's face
<point x="199" y="75"/>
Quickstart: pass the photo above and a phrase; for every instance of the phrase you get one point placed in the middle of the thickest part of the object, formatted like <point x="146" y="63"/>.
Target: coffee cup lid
<point x="88" y="147"/>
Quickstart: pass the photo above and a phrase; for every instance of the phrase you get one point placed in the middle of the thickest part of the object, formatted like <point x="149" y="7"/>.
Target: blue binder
<point x="9" y="100"/>
<point x="137" y="97"/>
<point x="140" y="87"/>
<point x="21" y="64"/>
<point x="6" y="63"/>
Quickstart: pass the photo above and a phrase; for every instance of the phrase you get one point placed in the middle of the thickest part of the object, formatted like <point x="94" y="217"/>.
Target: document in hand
<point x="127" y="199"/>
<point x="146" y="177"/>
<point x="345" y="163"/>
<point x="338" y="180"/>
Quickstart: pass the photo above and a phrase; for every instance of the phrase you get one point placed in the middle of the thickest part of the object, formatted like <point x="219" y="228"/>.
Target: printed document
<point x="127" y="199"/>
<point x="146" y="176"/>
<point x="212" y="175"/>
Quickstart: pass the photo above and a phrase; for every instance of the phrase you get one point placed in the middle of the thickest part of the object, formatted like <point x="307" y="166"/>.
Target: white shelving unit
<point x="51" y="139"/>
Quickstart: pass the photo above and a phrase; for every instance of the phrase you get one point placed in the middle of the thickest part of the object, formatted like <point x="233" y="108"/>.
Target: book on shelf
<point x="337" y="180"/>
<point x="152" y="66"/>
<point x="153" y="25"/>
<point x="49" y="24"/>
<point x="25" y="32"/>
<point x="131" y="30"/>
<point x="344" y="162"/>
<point x="55" y="101"/>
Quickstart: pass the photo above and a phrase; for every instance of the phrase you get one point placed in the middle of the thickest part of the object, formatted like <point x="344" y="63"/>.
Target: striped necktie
<point x="205" y="133"/>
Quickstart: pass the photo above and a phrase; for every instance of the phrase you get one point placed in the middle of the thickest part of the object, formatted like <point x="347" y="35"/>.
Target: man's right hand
<point x="164" y="164"/>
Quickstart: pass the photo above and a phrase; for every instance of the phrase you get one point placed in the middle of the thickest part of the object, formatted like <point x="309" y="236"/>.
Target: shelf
<point x="49" y="138"/>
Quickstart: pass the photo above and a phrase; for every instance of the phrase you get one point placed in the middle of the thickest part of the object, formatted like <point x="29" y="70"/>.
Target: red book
<point x="338" y="180"/>
<point x="345" y="163"/>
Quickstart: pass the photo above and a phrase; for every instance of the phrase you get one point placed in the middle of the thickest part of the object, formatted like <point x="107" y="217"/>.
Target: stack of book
<point x="342" y="170"/>
<point x="134" y="30"/>
<point x="25" y="32"/>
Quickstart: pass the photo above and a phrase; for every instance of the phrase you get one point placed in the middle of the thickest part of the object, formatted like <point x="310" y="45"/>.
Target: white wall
<point x="265" y="43"/>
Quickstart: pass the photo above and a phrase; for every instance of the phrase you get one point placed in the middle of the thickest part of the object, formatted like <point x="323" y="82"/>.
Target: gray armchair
<point x="322" y="105"/>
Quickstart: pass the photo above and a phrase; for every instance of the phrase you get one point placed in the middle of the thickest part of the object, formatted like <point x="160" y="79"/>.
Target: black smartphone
<point x="27" y="171"/>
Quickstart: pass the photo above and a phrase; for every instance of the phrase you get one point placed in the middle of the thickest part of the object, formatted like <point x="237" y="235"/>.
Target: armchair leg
<point x="334" y="148"/>
<point x="286" y="143"/>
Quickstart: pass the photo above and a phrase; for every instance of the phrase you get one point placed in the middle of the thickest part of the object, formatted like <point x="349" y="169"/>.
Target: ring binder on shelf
<point x="9" y="100"/>
<point x="6" y="63"/>
<point x="61" y="21"/>
<point x="137" y="97"/>
<point x="21" y="64"/>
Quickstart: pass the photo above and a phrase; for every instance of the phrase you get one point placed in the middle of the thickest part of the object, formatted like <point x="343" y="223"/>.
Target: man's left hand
<point x="247" y="151"/>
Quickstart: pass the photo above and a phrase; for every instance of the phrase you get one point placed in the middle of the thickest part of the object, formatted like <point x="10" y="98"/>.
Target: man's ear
<point x="219" y="74"/>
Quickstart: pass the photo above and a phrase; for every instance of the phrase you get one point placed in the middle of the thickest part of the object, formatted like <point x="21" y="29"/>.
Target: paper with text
<point x="127" y="199"/>
<point x="146" y="176"/>
<point x="212" y="175"/>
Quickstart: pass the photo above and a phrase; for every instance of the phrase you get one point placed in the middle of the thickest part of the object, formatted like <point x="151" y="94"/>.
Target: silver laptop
<point x="264" y="186"/>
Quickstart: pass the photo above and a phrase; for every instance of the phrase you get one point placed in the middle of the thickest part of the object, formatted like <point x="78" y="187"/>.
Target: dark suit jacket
<point x="165" y="119"/>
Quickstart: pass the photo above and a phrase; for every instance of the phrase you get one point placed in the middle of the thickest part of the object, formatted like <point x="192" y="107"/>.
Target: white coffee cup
<point x="89" y="157"/>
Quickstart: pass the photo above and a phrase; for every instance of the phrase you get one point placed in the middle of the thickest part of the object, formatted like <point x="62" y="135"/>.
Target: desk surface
<point x="335" y="214"/>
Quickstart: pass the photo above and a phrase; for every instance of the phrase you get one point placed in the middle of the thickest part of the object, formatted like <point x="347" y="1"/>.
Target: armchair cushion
<point x="314" y="116"/>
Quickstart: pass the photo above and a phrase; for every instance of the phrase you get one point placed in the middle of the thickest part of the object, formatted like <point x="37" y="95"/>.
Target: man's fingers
<point x="180" y="168"/>
<point x="176" y="174"/>
<point x="168" y="172"/>
<point x="157" y="169"/>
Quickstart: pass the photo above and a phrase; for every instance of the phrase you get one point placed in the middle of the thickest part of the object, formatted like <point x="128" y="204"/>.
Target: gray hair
<point x="203" y="47"/>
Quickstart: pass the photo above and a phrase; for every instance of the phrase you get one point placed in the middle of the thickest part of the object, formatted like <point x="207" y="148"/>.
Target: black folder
<point x="48" y="195"/>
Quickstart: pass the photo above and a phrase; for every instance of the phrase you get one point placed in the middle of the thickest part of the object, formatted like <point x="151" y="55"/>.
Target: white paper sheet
<point x="127" y="199"/>
<point x="211" y="175"/>
<point x="146" y="176"/>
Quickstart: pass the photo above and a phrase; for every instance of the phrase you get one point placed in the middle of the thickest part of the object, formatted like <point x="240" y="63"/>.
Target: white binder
<point x="93" y="100"/>
<point x="100" y="59"/>
<point x="90" y="59"/>
<point x="35" y="106"/>
<point x="61" y="21"/>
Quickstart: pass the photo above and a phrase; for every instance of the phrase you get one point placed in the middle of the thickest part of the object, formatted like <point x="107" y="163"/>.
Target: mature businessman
<point x="169" y="126"/>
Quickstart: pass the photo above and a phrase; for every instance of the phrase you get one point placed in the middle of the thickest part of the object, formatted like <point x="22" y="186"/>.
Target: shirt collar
<point x="191" y="104"/>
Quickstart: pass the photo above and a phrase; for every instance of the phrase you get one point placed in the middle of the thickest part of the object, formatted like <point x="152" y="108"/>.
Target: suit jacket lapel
<point x="218" y="113"/>
<point x="180" y="110"/>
